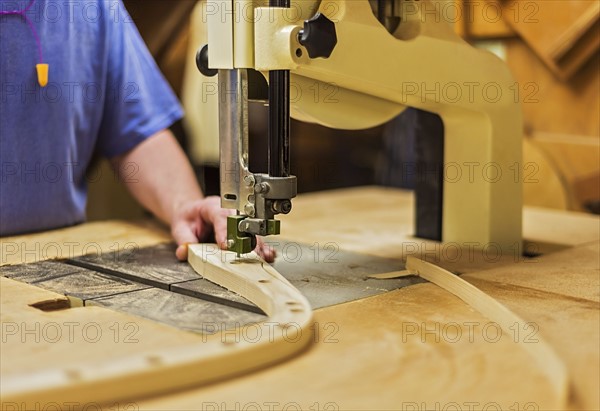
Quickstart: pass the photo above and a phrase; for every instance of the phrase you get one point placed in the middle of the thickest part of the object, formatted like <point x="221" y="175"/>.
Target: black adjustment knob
<point x="202" y="62"/>
<point x="318" y="36"/>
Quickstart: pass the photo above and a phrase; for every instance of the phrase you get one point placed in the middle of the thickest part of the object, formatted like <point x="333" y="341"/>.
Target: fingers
<point x="220" y="229"/>
<point x="264" y="250"/>
<point x="183" y="233"/>
<point x="212" y="213"/>
<point x="182" y="252"/>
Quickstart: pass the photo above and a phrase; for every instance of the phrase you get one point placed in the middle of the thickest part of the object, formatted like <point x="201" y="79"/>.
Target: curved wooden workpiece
<point x="543" y="354"/>
<point x="150" y="372"/>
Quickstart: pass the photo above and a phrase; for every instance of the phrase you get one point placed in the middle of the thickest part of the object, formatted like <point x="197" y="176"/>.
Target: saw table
<point x="378" y="344"/>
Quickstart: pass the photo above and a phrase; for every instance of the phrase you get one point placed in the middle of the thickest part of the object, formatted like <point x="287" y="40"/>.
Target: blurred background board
<point x="564" y="34"/>
<point x="478" y="19"/>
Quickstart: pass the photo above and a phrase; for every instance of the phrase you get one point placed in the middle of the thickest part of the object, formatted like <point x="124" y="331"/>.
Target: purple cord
<point x="29" y="23"/>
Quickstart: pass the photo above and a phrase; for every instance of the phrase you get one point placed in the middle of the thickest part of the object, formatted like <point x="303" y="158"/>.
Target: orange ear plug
<point x="42" y="74"/>
<point x="41" y="68"/>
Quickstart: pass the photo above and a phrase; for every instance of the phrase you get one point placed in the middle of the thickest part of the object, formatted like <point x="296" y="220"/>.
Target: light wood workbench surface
<point x="398" y="350"/>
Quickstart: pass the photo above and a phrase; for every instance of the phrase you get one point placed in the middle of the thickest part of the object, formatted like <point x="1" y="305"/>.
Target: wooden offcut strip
<point x="217" y="357"/>
<point x="392" y="275"/>
<point x="544" y="356"/>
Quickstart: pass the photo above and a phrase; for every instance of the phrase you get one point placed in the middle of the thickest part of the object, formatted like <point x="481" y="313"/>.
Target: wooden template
<point x="232" y="352"/>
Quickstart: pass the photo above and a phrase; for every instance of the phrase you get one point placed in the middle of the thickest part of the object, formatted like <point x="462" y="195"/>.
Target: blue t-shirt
<point x="105" y="93"/>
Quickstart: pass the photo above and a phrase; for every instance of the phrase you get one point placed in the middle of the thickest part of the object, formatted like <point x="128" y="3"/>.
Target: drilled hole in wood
<point x="229" y="340"/>
<point x="154" y="360"/>
<point x="73" y="374"/>
<point x="52" y="305"/>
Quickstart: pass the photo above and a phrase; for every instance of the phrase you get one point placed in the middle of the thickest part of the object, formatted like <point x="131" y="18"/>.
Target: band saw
<point x="300" y="46"/>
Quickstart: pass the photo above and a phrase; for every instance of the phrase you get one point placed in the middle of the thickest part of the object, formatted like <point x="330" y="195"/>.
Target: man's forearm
<point x="164" y="178"/>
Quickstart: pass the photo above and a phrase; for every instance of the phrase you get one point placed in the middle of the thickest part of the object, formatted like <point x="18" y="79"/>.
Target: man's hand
<point x="166" y="185"/>
<point x="195" y="221"/>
